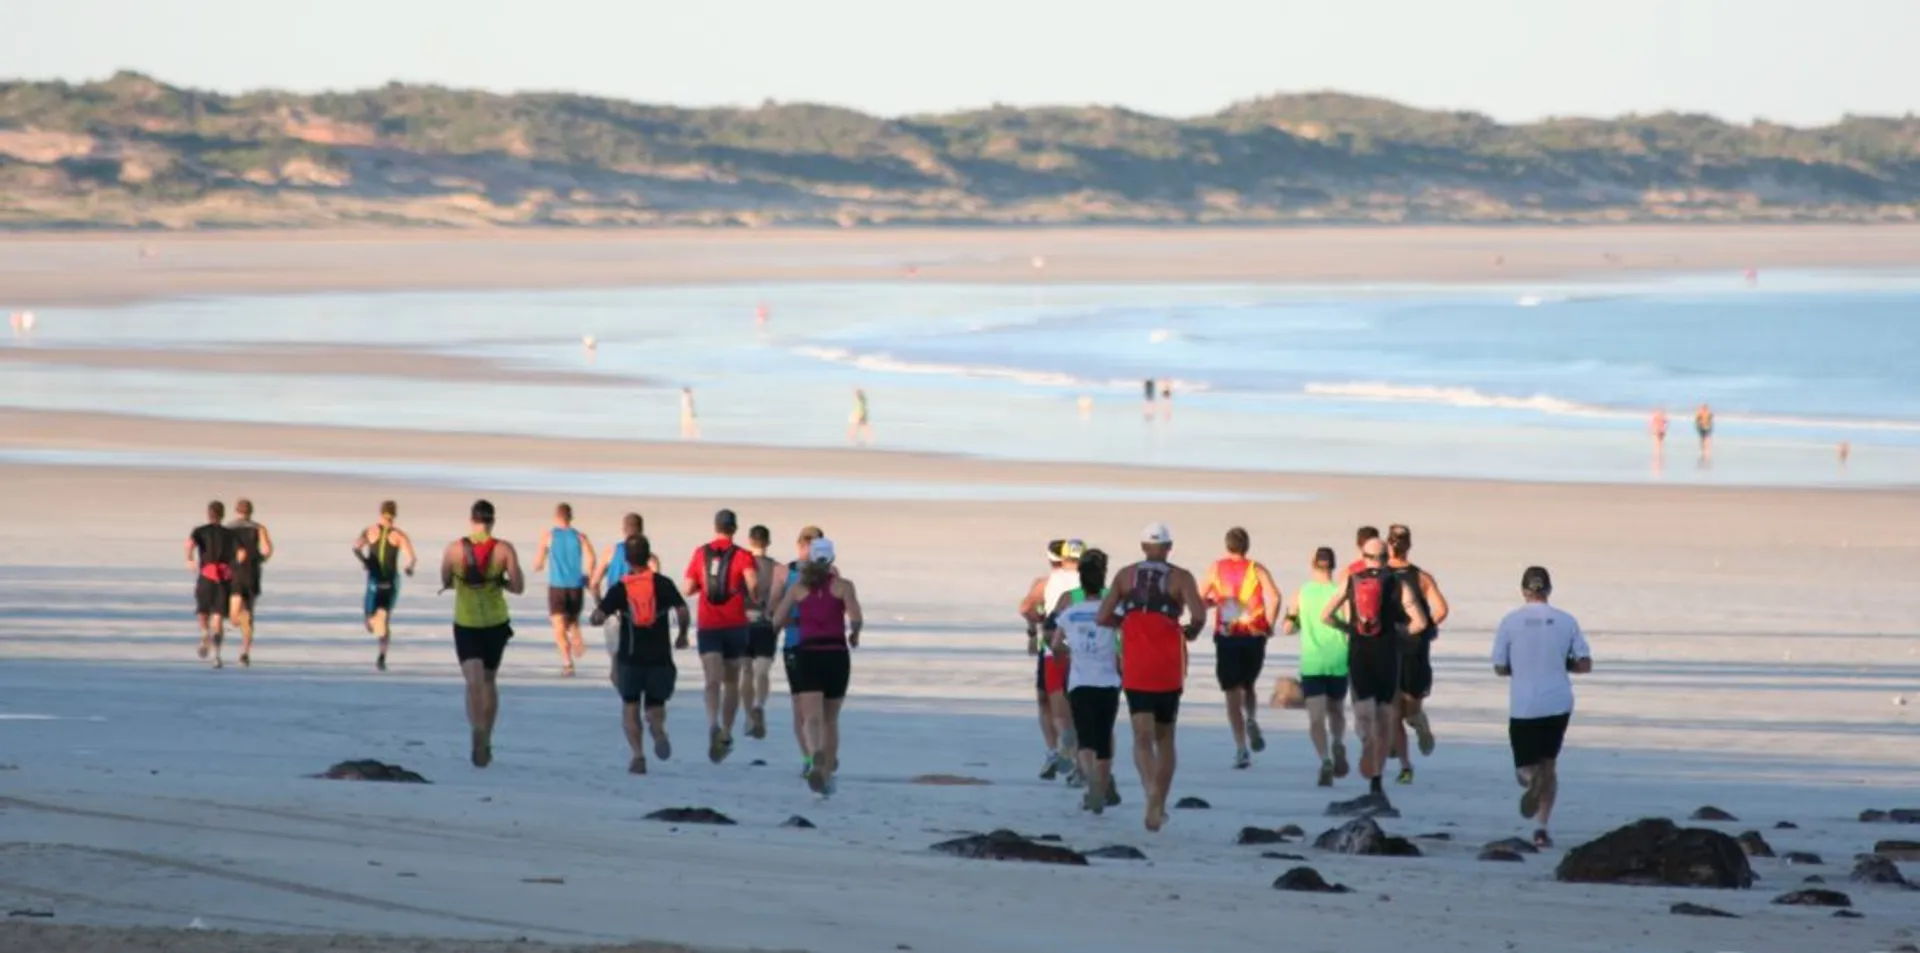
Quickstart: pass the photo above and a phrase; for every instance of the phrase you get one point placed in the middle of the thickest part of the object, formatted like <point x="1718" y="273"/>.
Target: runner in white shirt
<point x="1540" y="648"/>
<point x="1092" y="653"/>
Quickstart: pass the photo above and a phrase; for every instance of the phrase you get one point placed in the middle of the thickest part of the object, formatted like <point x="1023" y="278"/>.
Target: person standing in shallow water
<point x="1703" y="426"/>
<point x="481" y="570"/>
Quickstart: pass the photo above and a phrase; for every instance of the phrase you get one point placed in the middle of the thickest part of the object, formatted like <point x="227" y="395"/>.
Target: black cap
<point x="725" y="522"/>
<point x="1536" y="580"/>
<point x="483" y="512"/>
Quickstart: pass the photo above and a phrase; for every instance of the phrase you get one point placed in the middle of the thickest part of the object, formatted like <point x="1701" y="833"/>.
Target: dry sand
<point x="44" y="269"/>
<point x="1749" y="648"/>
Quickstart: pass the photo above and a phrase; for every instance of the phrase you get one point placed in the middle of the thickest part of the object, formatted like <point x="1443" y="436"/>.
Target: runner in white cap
<point x="828" y="612"/>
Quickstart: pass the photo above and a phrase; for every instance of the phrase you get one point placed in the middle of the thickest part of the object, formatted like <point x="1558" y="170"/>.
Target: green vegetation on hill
<point x="134" y="152"/>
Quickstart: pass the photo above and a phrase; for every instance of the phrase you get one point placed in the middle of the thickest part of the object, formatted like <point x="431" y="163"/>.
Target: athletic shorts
<point x="210" y="597"/>
<point x="1238" y="660"/>
<point x="1053" y="674"/>
<point x="729" y="644"/>
<point x="1094" y="711"/>
<point x="648" y="686"/>
<point x="1328" y="686"/>
<point x="380" y="596"/>
<point x="247" y="595"/>
<point x="1416" y="667"/>
<point x="763" y="640"/>
<point x="1373" y="666"/>
<point x="486" y="644"/>
<point x="823" y="671"/>
<point x="566" y="603"/>
<point x="1536" y="739"/>
<point x="1040" y="673"/>
<point x="1163" y="706"/>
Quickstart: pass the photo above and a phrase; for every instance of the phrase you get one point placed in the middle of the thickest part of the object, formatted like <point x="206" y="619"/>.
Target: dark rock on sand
<point x="1696" y="910"/>
<point x="1290" y="830"/>
<point x="1814" y="879"/>
<point x="1191" y="804"/>
<point x="1847" y="914"/>
<point x="1872" y="816"/>
<point x="799" y="822"/>
<point x="1437" y="836"/>
<point x="1366" y="805"/>
<point x="372" y="771"/>
<point x="1899" y="815"/>
<point x="1363" y="837"/>
<point x="1898" y="849"/>
<point x="1814" y="897"/>
<point x="1876" y="869"/>
<point x="1786" y="826"/>
<point x="1502" y="855"/>
<point x="691" y="815"/>
<point x="1117" y="852"/>
<point x="1518" y="845"/>
<point x="1656" y="852"/>
<point x="1259" y="835"/>
<point x="1307" y="880"/>
<point x="1803" y="858"/>
<point x="1754" y="844"/>
<point x="1007" y="845"/>
<point x="1276" y="855"/>
<point x="1711" y="813"/>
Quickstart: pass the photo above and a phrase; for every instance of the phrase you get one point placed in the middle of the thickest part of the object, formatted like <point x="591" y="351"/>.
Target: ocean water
<point x="1543" y="382"/>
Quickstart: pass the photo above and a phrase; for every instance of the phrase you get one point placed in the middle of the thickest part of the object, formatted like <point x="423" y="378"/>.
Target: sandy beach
<point x="1755" y="650"/>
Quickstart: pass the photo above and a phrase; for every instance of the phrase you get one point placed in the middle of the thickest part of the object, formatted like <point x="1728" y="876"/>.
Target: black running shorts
<point x="1416" y="667"/>
<point x="566" y="603"/>
<point x="1238" y="660"/>
<point x="1536" y="739"/>
<point x="1373" y="666"/>
<point x="1328" y="686"/>
<point x="729" y="644"/>
<point x="823" y="671"/>
<point x="1094" y="711"/>
<point x="763" y="640"/>
<point x="210" y="597"/>
<point x="1163" y="706"/>
<point x="487" y="644"/>
<point x="649" y="686"/>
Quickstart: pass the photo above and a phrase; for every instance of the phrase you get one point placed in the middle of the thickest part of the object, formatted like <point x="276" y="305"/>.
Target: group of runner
<point x="1366" y="629"/>
<point x="227" y="558"/>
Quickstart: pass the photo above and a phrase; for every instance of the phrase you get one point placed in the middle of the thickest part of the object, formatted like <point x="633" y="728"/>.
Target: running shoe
<point x="1530" y="798"/>
<point x="1339" y="760"/>
<point x="1406" y="776"/>
<point x="1326" y="773"/>
<point x="1242" y="760"/>
<point x="1050" y="768"/>
<point x="1091" y="801"/>
<point x="757" y="723"/>
<point x="817" y="777"/>
<point x="662" y="746"/>
<point x="217" y="664"/>
<point x="1424" y="731"/>
<point x="206" y="647"/>
<point x="1075" y="779"/>
<point x="806" y="767"/>
<point x="830" y="786"/>
<point x="1541" y="839"/>
<point x="1255" y="740"/>
<point x="380" y="664"/>
<point x="716" y="745"/>
<point x="1113" y="795"/>
<point x="637" y="766"/>
<point x="246" y="661"/>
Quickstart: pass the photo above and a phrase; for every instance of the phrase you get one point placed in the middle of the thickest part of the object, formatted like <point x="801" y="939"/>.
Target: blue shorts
<point x="729" y="644"/>
<point x="1330" y="686"/>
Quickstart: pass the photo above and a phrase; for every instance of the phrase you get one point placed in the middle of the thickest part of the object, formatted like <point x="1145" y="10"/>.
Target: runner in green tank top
<point x="481" y="571"/>
<point x="1323" y="667"/>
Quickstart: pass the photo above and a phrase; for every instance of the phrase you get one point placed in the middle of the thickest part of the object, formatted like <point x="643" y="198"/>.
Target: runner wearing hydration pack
<point x="562" y="554"/>
<point x="1380" y="614"/>
<point x="1416" y="656"/>
<point x="254" y="540"/>
<point x="481" y="571"/>
<point x="211" y="552"/>
<point x="725" y="578"/>
<point x="1323" y="667"/>
<point x="763" y="641"/>
<point x="643" y="672"/>
<point x="379" y="548"/>
<point x="1247" y="602"/>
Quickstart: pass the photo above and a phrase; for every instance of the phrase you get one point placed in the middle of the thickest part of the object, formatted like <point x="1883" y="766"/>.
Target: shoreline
<point x="93" y="269"/>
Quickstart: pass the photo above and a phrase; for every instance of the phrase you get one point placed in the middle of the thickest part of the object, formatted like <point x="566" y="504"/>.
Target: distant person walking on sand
<point x="379" y="548"/>
<point x="481" y="570"/>
<point x="1538" y="647"/>
<point x="1703" y="425"/>
<point x="1846" y="452"/>
<point x="1166" y="399"/>
<point x="257" y="543"/>
<point x="689" y="420"/>
<point x="1147" y="392"/>
<point x="212" y="550"/>
<point x="725" y="577"/>
<point x="1246" y="604"/>
<point x="830" y="620"/>
<point x="562" y="554"/>
<point x="1658" y="427"/>
<point x="1092" y="654"/>
<point x="1146" y="603"/>
<point x="763" y="640"/>
<point x="643" y="671"/>
<point x="1416" y="654"/>
<point x="1323" y="667"/>
<point x="1380" y="615"/>
<point x="858" y="424"/>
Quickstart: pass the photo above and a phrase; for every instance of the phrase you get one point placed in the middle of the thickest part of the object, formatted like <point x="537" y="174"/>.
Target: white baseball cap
<point x="820" y="551"/>
<point x="1157" y="534"/>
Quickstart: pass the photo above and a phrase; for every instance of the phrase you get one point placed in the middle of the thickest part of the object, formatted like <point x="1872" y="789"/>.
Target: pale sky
<point x="1797" y="61"/>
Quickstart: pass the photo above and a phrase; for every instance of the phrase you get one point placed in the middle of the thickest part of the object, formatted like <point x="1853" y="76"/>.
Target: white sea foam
<point x="1383" y="392"/>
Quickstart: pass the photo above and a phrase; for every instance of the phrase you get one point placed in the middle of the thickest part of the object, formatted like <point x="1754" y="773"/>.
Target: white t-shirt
<point x="1095" y="648"/>
<point x="1534" y="642"/>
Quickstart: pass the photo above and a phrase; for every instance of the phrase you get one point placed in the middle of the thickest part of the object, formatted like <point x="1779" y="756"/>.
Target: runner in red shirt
<point x="725" y="577"/>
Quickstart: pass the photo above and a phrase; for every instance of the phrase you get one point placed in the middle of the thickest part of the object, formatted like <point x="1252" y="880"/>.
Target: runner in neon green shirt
<point x="1323" y="667"/>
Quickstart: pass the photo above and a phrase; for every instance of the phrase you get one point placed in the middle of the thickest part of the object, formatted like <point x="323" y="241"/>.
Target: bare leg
<point x="1048" y="730"/>
<point x="830" y="733"/>
<point x="1237" y="717"/>
<point x="579" y="640"/>
<point x="483" y="705"/>
<point x="714" y="668"/>
<point x="1062" y="723"/>
<point x="1372" y="745"/>
<point x="1337" y="720"/>
<point x="218" y="626"/>
<point x="561" y="642"/>
<point x="730" y="693"/>
<point x="1401" y="712"/>
<point x="762" y="669"/>
<point x="1147" y="764"/>
<point x="1317" y="725"/>
<point x="243" y="618"/>
<point x="1550" y="789"/>
<point x="206" y="640"/>
<point x="630" y="723"/>
<point x="800" y="728"/>
<point x="377" y="624"/>
<point x="1167" y="758"/>
<point x="657" y="726"/>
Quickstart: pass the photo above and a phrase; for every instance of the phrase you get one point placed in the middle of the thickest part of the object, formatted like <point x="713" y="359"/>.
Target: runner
<point x="481" y="571"/>
<point x="790" y="640"/>
<point x="257" y="543"/>
<point x="1032" y="608"/>
<point x="756" y="674"/>
<point x="211" y="552"/>
<point x="1323" y="667"/>
<point x="829" y="617"/>
<point x="1538" y="647"/>
<point x="1145" y="603"/>
<point x="725" y="577"/>
<point x="1703" y="425"/>
<point x="1092" y="652"/>
<point x="859" y="424"/>
<point x="1247" y="602"/>
<point x="1416" y="658"/>
<point x="1360" y="539"/>
<point x="643" y="671"/>
<point x="566" y="547"/>
<point x="1062" y="579"/>
<point x="1380" y="615"/>
<point x="379" y="548"/>
<point x="615" y="563"/>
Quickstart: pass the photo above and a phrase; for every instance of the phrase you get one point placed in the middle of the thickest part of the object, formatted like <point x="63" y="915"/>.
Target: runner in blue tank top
<point x="567" y="555"/>
<point x="790" y="636"/>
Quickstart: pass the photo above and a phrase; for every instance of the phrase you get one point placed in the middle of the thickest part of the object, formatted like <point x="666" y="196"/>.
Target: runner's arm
<point x="406" y="549"/>
<point x="266" y="544"/>
<point x="750" y="580"/>
<point x="192" y="548"/>
<point x="855" y="620"/>
<point x="1330" y="614"/>
<point x="1271" y="590"/>
<point x="1580" y="656"/>
<point x="1030" y="603"/>
<point x="1110" y="603"/>
<point x="593" y="558"/>
<point x="775" y="591"/>
<point x="1417" y="621"/>
<point x="1436" y="602"/>
<point x="784" y="610"/>
<point x="1057" y="637"/>
<point x="360" y="543"/>
<point x="609" y="604"/>
<point x="447" y="563"/>
<point x="1210" y="590"/>
<point x="540" y="558"/>
<point x="516" y="582"/>
<point x="1502" y="652"/>
<point x="599" y="573"/>
<point x="1196" y="606"/>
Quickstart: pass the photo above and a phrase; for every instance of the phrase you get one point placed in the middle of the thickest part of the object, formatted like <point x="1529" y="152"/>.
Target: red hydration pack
<point x="1368" y="601"/>
<point x="479" y="559"/>
<point x="641" y="610"/>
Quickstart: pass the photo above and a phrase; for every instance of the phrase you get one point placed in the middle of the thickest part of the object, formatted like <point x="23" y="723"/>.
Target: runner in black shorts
<point x="1416" y="653"/>
<point x="1374" y="632"/>
<point x="1163" y="706"/>
<point x="756" y="675"/>
<point x="256" y="543"/>
<point x="643" y="671"/>
<point x="211" y="552"/>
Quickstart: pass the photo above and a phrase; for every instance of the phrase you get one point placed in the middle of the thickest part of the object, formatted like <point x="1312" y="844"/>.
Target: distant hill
<point x="132" y="151"/>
